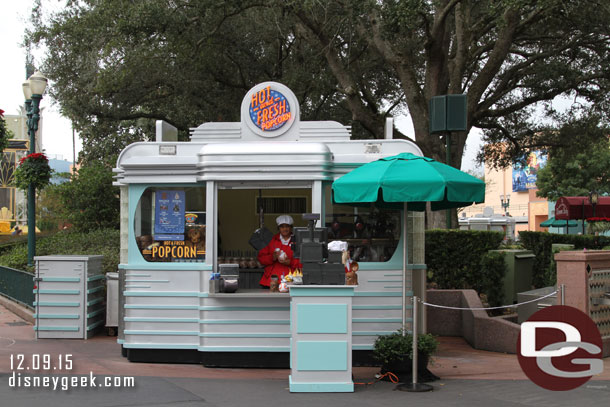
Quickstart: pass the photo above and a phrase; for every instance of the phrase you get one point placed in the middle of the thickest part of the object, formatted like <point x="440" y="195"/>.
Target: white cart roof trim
<point x="269" y="143"/>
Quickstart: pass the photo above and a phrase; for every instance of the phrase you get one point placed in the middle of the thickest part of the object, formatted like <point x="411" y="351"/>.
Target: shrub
<point x="541" y="244"/>
<point x="98" y="242"/>
<point x="90" y="201"/>
<point x="16" y="257"/>
<point x="458" y="259"/>
<point x="489" y="282"/>
<point x="396" y="347"/>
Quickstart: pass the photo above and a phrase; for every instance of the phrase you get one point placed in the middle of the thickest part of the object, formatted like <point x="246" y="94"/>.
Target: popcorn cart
<point x="189" y="208"/>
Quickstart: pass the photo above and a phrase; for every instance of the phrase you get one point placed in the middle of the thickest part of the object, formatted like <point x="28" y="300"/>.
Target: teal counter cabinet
<point x="321" y="339"/>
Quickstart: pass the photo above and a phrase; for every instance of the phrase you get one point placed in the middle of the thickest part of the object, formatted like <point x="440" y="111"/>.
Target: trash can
<point x="519" y="272"/>
<point x="69" y="293"/>
<point x="112" y="303"/>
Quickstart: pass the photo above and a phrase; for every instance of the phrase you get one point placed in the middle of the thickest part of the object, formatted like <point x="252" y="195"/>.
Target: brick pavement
<point x="101" y="354"/>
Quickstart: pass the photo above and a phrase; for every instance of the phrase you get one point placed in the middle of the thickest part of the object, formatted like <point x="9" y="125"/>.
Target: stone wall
<point x="586" y="278"/>
<point x="478" y="329"/>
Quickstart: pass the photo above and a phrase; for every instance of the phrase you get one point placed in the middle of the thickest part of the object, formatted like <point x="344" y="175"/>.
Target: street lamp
<point x="505" y="203"/>
<point x="33" y="89"/>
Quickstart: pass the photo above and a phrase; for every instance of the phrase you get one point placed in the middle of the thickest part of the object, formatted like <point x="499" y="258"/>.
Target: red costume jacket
<point x="265" y="257"/>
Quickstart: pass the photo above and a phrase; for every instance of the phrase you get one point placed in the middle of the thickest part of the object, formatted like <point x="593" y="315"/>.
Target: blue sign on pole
<point x="169" y="215"/>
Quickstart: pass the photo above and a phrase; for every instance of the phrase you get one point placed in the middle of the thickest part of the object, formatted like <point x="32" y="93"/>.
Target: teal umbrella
<point x="408" y="179"/>
<point x="412" y="179"/>
<point x="558" y="223"/>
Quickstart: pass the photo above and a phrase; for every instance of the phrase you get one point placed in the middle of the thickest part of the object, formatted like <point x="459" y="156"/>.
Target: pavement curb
<point x="18" y="309"/>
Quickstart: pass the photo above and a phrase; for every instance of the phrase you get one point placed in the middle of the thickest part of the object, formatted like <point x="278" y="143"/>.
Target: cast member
<point x="277" y="257"/>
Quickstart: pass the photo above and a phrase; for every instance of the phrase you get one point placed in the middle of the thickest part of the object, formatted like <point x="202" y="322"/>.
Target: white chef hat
<point x="284" y="219"/>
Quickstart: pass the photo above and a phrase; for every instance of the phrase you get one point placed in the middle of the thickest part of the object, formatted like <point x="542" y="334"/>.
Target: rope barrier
<point x="488" y="308"/>
<point x="395" y="379"/>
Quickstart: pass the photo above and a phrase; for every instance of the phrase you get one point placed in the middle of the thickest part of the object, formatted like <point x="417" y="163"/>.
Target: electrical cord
<point x="393" y="378"/>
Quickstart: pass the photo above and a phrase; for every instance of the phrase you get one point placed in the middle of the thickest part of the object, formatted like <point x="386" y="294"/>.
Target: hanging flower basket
<point x="33" y="169"/>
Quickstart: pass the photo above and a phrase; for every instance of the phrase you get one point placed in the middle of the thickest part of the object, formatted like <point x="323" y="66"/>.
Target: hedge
<point x="489" y="282"/>
<point x="459" y="259"/>
<point x="103" y="241"/>
<point x="541" y="244"/>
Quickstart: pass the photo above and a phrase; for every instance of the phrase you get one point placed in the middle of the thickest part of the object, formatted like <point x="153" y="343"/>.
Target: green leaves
<point x="118" y="65"/>
<point x="541" y="244"/>
<point x="396" y="347"/>
<point x="459" y="259"/>
<point x="4" y="132"/>
<point x="33" y="169"/>
<point x="489" y="278"/>
<point x="581" y="168"/>
<point x="105" y="242"/>
<point x="89" y="201"/>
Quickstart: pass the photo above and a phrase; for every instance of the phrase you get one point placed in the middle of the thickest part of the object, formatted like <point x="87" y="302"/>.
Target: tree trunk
<point x="438" y="219"/>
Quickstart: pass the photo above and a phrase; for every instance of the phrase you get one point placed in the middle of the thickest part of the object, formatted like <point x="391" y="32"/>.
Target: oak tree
<point x="117" y="63"/>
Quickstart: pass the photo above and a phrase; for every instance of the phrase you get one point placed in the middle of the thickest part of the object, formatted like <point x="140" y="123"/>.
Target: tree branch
<point x="457" y="65"/>
<point x="495" y="60"/>
<point x="549" y="95"/>
<point x="370" y="121"/>
<point x="135" y="116"/>
<point x="416" y="101"/>
<point x="440" y="19"/>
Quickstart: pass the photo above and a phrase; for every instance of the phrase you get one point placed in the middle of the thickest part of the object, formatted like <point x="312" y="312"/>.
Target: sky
<point x="57" y="131"/>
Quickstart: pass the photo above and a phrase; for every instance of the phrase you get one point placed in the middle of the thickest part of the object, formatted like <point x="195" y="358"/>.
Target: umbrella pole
<point x="404" y="270"/>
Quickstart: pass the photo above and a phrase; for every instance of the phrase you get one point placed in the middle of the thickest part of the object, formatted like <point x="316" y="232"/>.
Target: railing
<point x="599" y="297"/>
<point x="17" y="285"/>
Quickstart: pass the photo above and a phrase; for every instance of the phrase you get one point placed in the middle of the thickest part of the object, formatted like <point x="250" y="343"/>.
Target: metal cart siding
<point x="173" y="309"/>
<point x="69" y="296"/>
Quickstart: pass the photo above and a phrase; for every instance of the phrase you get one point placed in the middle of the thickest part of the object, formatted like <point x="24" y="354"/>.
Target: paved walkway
<point x="468" y="377"/>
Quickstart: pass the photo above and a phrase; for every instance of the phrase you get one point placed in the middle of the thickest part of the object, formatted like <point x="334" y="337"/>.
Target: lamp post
<point x="505" y="203"/>
<point x="593" y="198"/>
<point x="33" y="89"/>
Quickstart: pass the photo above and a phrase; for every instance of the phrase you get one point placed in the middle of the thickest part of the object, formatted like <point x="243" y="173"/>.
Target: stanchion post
<point x="414" y="386"/>
<point x="405" y="254"/>
<point x="414" y="358"/>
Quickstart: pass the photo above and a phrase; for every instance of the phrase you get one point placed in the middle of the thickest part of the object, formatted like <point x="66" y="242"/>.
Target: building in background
<point x="518" y="183"/>
<point x="61" y="168"/>
<point x="13" y="207"/>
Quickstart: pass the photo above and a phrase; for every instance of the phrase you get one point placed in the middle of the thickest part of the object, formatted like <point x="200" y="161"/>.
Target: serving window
<point x="372" y="233"/>
<point x="170" y="224"/>
<point x="239" y="216"/>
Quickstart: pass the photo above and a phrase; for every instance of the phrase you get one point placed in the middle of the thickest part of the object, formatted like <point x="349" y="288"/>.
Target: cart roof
<point x="253" y="149"/>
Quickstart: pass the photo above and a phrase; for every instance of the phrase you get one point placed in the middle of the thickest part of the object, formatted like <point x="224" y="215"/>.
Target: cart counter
<point x="167" y="318"/>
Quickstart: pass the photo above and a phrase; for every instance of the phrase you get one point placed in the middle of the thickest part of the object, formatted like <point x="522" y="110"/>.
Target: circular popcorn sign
<point x="269" y="109"/>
